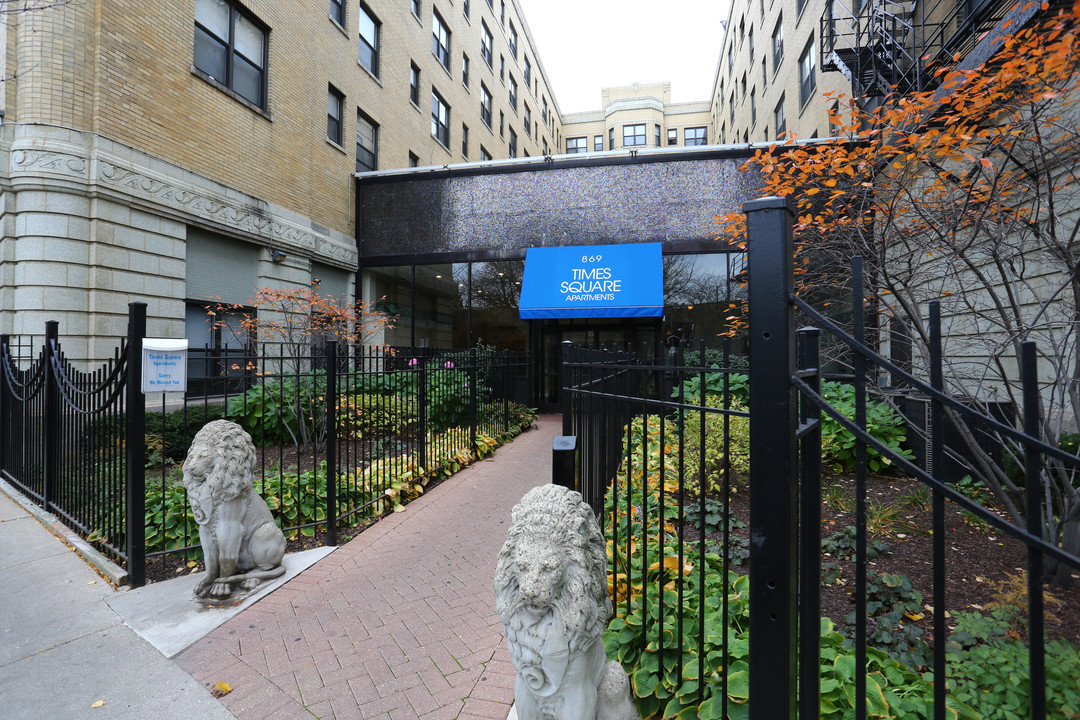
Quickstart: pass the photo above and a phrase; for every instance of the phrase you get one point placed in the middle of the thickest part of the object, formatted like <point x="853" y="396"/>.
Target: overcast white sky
<point x="586" y="45"/>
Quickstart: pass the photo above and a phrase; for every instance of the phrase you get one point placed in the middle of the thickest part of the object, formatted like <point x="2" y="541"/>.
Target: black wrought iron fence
<point x="341" y="438"/>
<point x="731" y="601"/>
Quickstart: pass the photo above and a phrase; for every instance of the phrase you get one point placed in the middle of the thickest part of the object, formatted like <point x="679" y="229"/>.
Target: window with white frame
<point x="778" y="43"/>
<point x="513" y="92"/>
<point x="672" y="136"/>
<point x="337" y="11"/>
<point x="464" y="69"/>
<point x="528" y="71"/>
<point x="598" y="143"/>
<point x="484" y="154"/>
<point x="513" y="143"/>
<point x="779" y="118"/>
<point x="513" y="40"/>
<point x="528" y="118"/>
<point x="464" y="141"/>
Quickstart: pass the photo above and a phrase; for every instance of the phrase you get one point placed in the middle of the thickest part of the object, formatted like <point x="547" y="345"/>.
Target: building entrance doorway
<point x="641" y="335"/>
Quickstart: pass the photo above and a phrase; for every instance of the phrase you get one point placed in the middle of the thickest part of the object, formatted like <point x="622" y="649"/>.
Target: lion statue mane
<point x="241" y="543"/>
<point x="552" y="598"/>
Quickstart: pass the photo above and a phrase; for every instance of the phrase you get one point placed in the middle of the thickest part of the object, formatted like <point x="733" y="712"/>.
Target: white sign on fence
<point x="164" y="365"/>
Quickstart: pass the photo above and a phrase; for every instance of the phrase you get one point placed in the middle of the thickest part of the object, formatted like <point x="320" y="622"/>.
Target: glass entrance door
<point x="641" y="335"/>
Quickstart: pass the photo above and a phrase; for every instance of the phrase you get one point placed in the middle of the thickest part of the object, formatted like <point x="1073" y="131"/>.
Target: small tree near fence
<point x="292" y="327"/>
<point x="967" y="194"/>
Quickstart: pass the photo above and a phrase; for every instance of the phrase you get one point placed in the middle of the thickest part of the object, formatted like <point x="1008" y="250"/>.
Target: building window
<point x="633" y="135"/>
<point x="730" y="58"/>
<point x="414" y="84"/>
<point x="369" y="41"/>
<point x="598" y="143"/>
<point x="440" y="119"/>
<point x="673" y="137"/>
<point x="337" y="11"/>
<point x="778" y="43"/>
<point x="807" y="78"/>
<point x="485" y="43"/>
<point x="513" y="143"/>
<point x="751" y="43"/>
<point x="502" y="124"/>
<point x="414" y="160"/>
<point x="502" y="12"/>
<point x="465" y="141"/>
<point x="335" y="102"/>
<point x="484" y="154"/>
<point x="416" y="8"/>
<point x="513" y="92"/>
<point x="656" y="135"/>
<point x="611" y="139"/>
<point x="367" y="143"/>
<point x="694" y="136"/>
<point x="779" y="118"/>
<point x="528" y="119"/>
<point x="485" y="104"/>
<point x="465" y="70"/>
<point x="440" y="39"/>
<point x="753" y="106"/>
<point x="764" y="75"/>
<point x="513" y="40"/>
<point x="576" y="145"/>
<point x="544" y="112"/>
<point x="743" y="86"/>
<point x="465" y="8"/>
<point x="799" y="5"/>
<point x="502" y="68"/>
<point x="731" y="108"/>
<point x="230" y="47"/>
<point x="528" y="72"/>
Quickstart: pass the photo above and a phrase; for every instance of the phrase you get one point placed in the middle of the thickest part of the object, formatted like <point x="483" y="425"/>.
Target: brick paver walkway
<point x="399" y="623"/>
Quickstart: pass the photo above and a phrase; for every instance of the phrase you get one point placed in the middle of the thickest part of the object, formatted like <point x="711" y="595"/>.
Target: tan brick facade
<point x="637" y="116"/>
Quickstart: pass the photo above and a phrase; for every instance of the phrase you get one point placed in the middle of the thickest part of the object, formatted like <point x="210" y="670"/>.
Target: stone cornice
<point x="45" y="157"/>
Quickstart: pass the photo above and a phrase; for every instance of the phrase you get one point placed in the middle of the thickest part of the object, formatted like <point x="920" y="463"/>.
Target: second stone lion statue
<point x="241" y="543"/>
<point x="551" y="595"/>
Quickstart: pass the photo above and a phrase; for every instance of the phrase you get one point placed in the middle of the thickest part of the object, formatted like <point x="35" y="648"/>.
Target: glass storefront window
<point x="389" y="290"/>
<point x="496" y="289"/>
<point x="698" y="292"/>
<point x="440" y="297"/>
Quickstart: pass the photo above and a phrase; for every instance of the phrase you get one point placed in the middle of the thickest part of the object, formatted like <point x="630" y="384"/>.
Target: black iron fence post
<point x="422" y="409"/>
<point x="135" y="449"/>
<point x="1029" y="376"/>
<point x="773" y="522"/>
<point x="564" y="393"/>
<point x="809" y="527"/>
<point x="331" y="442"/>
<point x="5" y="342"/>
<point x="52" y="417"/>
<point x="474" y="392"/>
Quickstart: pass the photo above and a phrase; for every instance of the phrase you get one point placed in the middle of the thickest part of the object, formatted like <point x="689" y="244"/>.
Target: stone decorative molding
<point x="48" y="161"/>
<point x="33" y="152"/>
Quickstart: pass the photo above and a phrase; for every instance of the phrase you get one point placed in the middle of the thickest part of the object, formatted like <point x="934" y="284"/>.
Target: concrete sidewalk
<point x="62" y="649"/>
<point x="398" y="623"/>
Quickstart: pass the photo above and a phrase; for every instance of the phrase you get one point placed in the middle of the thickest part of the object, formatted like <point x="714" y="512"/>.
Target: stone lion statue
<point x="241" y="544"/>
<point x="552" y="598"/>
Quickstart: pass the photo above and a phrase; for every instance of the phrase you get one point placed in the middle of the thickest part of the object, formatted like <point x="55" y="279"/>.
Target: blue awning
<point x="593" y="281"/>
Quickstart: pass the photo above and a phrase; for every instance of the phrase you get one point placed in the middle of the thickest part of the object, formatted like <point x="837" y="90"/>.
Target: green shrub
<point x="177" y="428"/>
<point x="738" y="386"/>
<point x="838" y="443"/>
<point x="634" y="639"/>
<point x="737" y="451"/>
<point x="368" y="414"/>
<point x="447" y="392"/>
<point x="989" y="669"/>
<point x="288" y="410"/>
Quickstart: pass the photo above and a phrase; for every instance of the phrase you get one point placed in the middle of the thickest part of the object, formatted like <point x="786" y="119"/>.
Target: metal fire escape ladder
<point x="873" y="45"/>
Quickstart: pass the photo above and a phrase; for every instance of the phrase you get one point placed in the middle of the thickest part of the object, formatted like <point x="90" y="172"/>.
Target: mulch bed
<point x="979" y="560"/>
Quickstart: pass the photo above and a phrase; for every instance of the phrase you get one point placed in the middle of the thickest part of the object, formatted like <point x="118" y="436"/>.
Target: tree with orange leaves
<point x="967" y="194"/>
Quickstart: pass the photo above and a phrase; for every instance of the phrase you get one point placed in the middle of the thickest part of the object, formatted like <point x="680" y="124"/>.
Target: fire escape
<point x="895" y="46"/>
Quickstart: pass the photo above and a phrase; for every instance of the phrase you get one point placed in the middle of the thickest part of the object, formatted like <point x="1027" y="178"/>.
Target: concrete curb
<point x="113" y="573"/>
